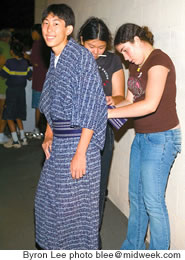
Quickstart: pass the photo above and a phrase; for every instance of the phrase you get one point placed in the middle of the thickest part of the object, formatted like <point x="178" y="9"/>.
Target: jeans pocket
<point x="156" y="139"/>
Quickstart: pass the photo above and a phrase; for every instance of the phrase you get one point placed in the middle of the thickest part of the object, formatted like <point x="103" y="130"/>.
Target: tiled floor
<point x="19" y="175"/>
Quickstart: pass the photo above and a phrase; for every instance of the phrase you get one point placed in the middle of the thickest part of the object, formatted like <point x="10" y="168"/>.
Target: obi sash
<point x="117" y="122"/>
<point x="63" y="129"/>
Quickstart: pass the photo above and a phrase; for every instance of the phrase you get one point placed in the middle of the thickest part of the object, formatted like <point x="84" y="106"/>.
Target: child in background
<point x="17" y="72"/>
<point x="5" y="37"/>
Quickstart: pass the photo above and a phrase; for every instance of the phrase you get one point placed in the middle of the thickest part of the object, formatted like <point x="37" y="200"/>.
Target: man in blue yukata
<point x="74" y="104"/>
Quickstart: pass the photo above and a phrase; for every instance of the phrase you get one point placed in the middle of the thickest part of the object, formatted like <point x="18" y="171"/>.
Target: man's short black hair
<point x="63" y="12"/>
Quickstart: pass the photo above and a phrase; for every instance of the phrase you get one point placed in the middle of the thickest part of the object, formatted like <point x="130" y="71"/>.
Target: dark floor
<point x="19" y="175"/>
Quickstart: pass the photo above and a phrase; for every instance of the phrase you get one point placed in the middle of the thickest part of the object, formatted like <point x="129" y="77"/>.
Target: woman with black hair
<point x="96" y="37"/>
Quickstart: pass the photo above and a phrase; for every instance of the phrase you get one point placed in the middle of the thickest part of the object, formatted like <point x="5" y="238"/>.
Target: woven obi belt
<point x="117" y="122"/>
<point x="62" y="129"/>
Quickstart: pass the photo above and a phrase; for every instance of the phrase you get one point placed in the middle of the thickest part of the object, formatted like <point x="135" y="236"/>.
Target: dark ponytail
<point x="128" y="31"/>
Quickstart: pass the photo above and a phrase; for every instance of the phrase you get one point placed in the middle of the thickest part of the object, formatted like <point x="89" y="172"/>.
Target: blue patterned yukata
<point x="66" y="209"/>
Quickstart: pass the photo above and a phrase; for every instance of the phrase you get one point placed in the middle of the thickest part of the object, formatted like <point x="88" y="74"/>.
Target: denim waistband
<point x="172" y="135"/>
<point x="170" y="132"/>
<point x="63" y="129"/>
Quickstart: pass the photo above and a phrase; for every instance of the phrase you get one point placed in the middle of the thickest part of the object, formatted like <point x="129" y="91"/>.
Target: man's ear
<point x="137" y="39"/>
<point x="81" y="40"/>
<point x="69" y="30"/>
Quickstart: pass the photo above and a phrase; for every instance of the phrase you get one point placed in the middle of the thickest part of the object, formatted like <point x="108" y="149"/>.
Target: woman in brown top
<point x="151" y="102"/>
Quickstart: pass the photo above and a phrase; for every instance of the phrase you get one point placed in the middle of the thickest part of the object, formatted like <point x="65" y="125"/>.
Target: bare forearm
<point x="131" y="110"/>
<point x="49" y="132"/>
<point x="84" y="140"/>
<point x="117" y="99"/>
<point x="124" y="102"/>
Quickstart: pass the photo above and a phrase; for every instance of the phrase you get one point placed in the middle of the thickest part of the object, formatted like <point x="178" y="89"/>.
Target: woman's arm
<point x="47" y="144"/>
<point x="127" y="101"/>
<point x="157" y="76"/>
<point x="118" y="88"/>
<point x="78" y="163"/>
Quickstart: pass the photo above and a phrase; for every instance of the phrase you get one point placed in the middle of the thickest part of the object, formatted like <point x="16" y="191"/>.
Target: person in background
<point x="39" y="59"/>
<point x="96" y="37"/>
<point x="16" y="71"/>
<point x="5" y="37"/>
<point x="73" y="101"/>
<point x="151" y="101"/>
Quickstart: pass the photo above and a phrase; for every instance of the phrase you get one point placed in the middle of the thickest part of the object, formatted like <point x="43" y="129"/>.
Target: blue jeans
<point x="151" y="159"/>
<point x="35" y="98"/>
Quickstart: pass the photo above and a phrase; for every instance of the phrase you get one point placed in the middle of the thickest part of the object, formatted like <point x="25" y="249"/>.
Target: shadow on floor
<point x="19" y="173"/>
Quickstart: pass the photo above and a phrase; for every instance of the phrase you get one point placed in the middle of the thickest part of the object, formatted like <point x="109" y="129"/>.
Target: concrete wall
<point x="166" y="19"/>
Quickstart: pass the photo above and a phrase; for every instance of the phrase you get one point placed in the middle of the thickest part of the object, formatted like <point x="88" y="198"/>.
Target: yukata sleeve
<point x="89" y="109"/>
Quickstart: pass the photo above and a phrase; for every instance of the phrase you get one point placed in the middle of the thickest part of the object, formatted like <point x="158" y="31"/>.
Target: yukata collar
<point x="67" y="46"/>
